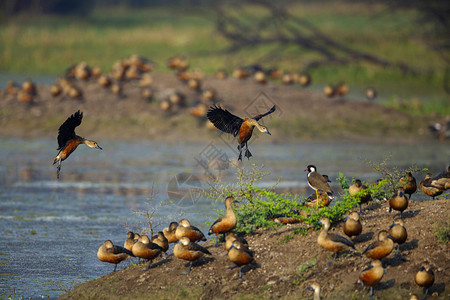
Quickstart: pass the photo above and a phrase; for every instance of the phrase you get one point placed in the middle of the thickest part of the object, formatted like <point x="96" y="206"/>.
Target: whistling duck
<point x="68" y="141"/>
<point x="229" y="123"/>
<point x="408" y="182"/>
<point x="132" y="73"/>
<point x="329" y="91"/>
<point x="371" y="275"/>
<point x="399" y="202"/>
<point x="331" y="241"/>
<point x="24" y="96"/>
<point x="104" y="80"/>
<point x="441" y="129"/>
<point x="286" y="218"/>
<point x="317" y="182"/>
<point x="358" y="187"/>
<point x="74" y="92"/>
<point x="398" y="231"/>
<point x="146" y="94"/>
<point x="260" y="77"/>
<point x="194" y="84"/>
<point x="304" y="79"/>
<point x="82" y="71"/>
<point x="316" y="288"/>
<point x="427" y="189"/>
<point x="12" y="88"/>
<point x="146" y="249"/>
<point x="274" y="73"/>
<point x="146" y="80"/>
<point x="55" y="90"/>
<point x="161" y="241"/>
<point x="209" y="95"/>
<point x="130" y="241"/>
<point x="228" y="222"/>
<point x="414" y="297"/>
<point x="352" y="225"/>
<point x="169" y="232"/>
<point x="29" y="87"/>
<point x="96" y="72"/>
<point x="441" y="181"/>
<point x="188" y="250"/>
<point x="381" y="248"/>
<point x="324" y="200"/>
<point x="221" y="74"/>
<point x="288" y="78"/>
<point x="231" y="237"/>
<point x="185" y="229"/>
<point x="112" y="254"/>
<point x="424" y="277"/>
<point x="240" y="255"/>
<point x="177" y="98"/>
<point x="370" y="93"/>
<point x="240" y="73"/>
<point x="342" y="89"/>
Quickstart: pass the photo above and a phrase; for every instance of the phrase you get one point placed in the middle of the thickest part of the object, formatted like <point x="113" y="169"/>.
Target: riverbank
<point x="286" y="263"/>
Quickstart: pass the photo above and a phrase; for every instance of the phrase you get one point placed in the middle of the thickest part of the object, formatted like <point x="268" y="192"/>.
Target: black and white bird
<point x="318" y="182"/>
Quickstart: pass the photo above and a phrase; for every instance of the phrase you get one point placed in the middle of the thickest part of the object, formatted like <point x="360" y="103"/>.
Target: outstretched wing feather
<point x="66" y="131"/>
<point x="224" y="120"/>
<point x="267" y="113"/>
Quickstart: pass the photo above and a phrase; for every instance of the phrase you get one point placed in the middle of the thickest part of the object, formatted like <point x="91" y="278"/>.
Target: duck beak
<point x="98" y="147"/>
<point x="267" y="131"/>
<point x="309" y="288"/>
<point x="235" y="201"/>
<point x="346" y="218"/>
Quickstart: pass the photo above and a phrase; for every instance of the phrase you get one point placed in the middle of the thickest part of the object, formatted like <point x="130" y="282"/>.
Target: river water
<point x="51" y="229"/>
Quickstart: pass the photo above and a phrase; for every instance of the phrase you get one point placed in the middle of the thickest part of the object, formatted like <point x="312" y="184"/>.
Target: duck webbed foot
<point x="248" y="154"/>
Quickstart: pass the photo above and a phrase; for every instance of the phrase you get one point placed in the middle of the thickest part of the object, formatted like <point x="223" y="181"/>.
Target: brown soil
<point x="302" y="113"/>
<point x="285" y="267"/>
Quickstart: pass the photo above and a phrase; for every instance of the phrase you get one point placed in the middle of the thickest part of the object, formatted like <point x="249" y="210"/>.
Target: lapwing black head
<point x="311" y="168"/>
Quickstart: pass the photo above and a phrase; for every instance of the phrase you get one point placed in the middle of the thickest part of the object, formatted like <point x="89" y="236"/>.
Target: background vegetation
<point x="46" y="37"/>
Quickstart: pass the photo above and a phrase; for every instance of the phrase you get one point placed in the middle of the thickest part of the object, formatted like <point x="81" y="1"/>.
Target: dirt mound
<point x="302" y="112"/>
<point x="286" y="263"/>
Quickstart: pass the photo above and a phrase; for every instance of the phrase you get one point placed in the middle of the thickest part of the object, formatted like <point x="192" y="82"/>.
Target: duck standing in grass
<point x="240" y="255"/>
<point x="227" y="223"/>
<point x="331" y="241"/>
<point x="68" y="141"/>
<point x="371" y="275"/>
<point x="243" y="128"/>
<point x="190" y="251"/>
<point x="110" y="253"/>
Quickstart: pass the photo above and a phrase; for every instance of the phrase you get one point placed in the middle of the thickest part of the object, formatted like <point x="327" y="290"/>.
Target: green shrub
<point x="442" y="231"/>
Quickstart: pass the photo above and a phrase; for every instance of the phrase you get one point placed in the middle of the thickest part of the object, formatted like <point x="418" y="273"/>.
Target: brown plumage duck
<point x="408" y="182"/>
<point x="228" y="222"/>
<point x="243" y="128"/>
<point x="240" y="255"/>
<point x="130" y="241"/>
<point x="110" y="253"/>
<point x="357" y="189"/>
<point x="398" y="231"/>
<point x="161" y="241"/>
<point x="331" y="241"/>
<point x="381" y="248"/>
<point x="352" y="225"/>
<point x="428" y="189"/>
<point x="169" y="232"/>
<point x="190" y="251"/>
<point x="399" y="202"/>
<point x="231" y="237"/>
<point x="424" y="277"/>
<point x="185" y="229"/>
<point x="68" y="141"/>
<point x="146" y="250"/>
<point x="316" y="288"/>
<point x="371" y="275"/>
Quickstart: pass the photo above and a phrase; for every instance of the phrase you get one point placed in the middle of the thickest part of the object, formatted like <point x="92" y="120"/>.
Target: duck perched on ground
<point x="371" y="275"/>
<point x="130" y="241"/>
<point x="428" y="189"/>
<point x="231" y="237"/>
<point x="185" y="229"/>
<point x="399" y="202"/>
<point x="331" y="241"/>
<point x="169" y="232"/>
<point x="110" y="253"/>
<point x="228" y="222"/>
<point x="318" y="182"/>
<point x="441" y="181"/>
<point x="243" y="128"/>
<point x="358" y="187"/>
<point x="161" y="241"/>
<point x="190" y="251"/>
<point x="146" y="250"/>
<point x="68" y="141"/>
<point x="408" y="182"/>
<point x="424" y="277"/>
<point x="381" y="248"/>
<point x="240" y="255"/>
<point x="316" y="288"/>
<point x="398" y="231"/>
<point x="352" y="225"/>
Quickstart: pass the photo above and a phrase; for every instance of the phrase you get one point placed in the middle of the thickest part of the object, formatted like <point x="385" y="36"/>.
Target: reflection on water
<point x="52" y="229"/>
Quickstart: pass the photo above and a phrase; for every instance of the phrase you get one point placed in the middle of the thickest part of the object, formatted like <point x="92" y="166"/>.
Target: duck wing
<point x="267" y="113"/>
<point x="119" y="249"/>
<point x="196" y="247"/>
<point x="340" y="239"/>
<point x="66" y="131"/>
<point x="224" y="120"/>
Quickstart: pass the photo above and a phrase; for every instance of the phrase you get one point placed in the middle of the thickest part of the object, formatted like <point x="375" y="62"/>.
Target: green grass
<point x="48" y="45"/>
